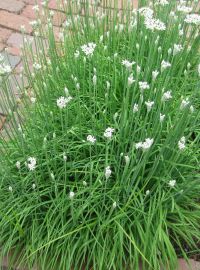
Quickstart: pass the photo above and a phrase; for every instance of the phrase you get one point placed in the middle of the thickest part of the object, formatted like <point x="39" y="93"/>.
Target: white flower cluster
<point x="108" y="132"/>
<point x="151" y="22"/>
<point x="166" y="96"/>
<point x="143" y="86"/>
<point x="144" y="145"/>
<point x="91" y="139"/>
<point x="4" y="68"/>
<point x="172" y="183"/>
<point x="181" y="143"/>
<point x="183" y="8"/>
<point x="162" y="2"/>
<point x="177" y="48"/>
<point x="193" y="18"/>
<point x="165" y="65"/>
<point x="154" y="24"/>
<point x="63" y="101"/>
<point x="88" y="49"/>
<point x="31" y="164"/>
<point x="128" y="64"/>
<point x="108" y="172"/>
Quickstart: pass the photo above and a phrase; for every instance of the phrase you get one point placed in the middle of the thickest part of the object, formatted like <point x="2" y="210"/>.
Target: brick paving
<point x="13" y="14"/>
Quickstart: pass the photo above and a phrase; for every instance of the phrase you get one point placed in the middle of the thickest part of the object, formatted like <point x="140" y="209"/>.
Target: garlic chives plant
<point x="99" y="161"/>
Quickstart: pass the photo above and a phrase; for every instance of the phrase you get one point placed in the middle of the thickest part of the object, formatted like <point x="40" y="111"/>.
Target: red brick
<point x="31" y="2"/>
<point x="12" y="5"/>
<point x="58" y="17"/>
<point x="52" y="4"/>
<point x="4" y="34"/>
<point x="15" y="40"/>
<point x="2" y="46"/>
<point x="14" y="21"/>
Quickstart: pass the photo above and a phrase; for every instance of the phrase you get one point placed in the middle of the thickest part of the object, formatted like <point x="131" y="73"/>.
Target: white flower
<point x="127" y="159"/>
<point x="33" y="100"/>
<point x="147" y="192"/>
<point x="144" y="145"/>
<point x="63" y="101"/>
<point x="162" y="2"/>
<point x="71" y="195"/>
<point x="149" y="105"/>
<point x="184" y="103"/>
<point x="5" y="69"/>
<point x="108" y="132"/>
<point x="107" y="85"/>
<point x="130" y="80"/>
<point x="165" y="65"/>
<point x="135" y="108"/>
<point x="191" y="108"/>
<point x="155" y="74"/>
<point x="91" y="139"/>
<point x="37" y="66"/>
<point x="94" y="79"/>
<point x="138" y="69"/>
<point x="35" y="8"/>
<point x="172" y="183"/>
<point x="10" y="188"/>
<point x="31" y="163"/>
<point x="64" y="157"/>
<point x="181" y="143"/>
<point x="162" y="117"/>
<point x="84" y="183"/>
<point x="146" y="12"/>
<point x="114" y="205"/>
<point x="18" y="164"/>
<point x="143" y="86"/>
<point x="33" y="186"/>
<point x="88" y="49"/>
<point x="177" y="48"/>
<point x="166" y="96"/>
<point x="154" y="24"/>
<point x="184" y="9"/>
<point x="108" y="172"/>
<point x="193" y="18"/>
<point x="128" y="64"/>
<point x="181" y="32"/>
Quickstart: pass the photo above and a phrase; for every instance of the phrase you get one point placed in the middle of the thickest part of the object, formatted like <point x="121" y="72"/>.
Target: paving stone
<point x="13" y="51"/>
<point x="184" y="266"/>
<point x="12" y="5"/>
<point x="4" y="34"/>
<point x="15" y="40"/>
<point x="12" y="60"/>
<point x="14" y="21"/>
<point x="2" y="120"/>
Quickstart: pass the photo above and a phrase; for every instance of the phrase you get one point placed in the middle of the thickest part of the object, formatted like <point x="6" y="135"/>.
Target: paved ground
<point x="13" y="14"/>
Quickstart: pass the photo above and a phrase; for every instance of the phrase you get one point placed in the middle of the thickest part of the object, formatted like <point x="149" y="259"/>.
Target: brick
<point x="58" y="17"/>
<point x="14" y="21"/>
<point x="4" y="34"/>
<point x="2" y="46"/>
<point x="32" y="2"/>
<point x="184" y="266"/>
<point x="52" y="4"/>
<point x="12" y="5"/>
